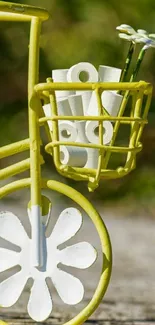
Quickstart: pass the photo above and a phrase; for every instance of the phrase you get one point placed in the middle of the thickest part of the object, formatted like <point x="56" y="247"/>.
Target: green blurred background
<point x="81" y="30"/>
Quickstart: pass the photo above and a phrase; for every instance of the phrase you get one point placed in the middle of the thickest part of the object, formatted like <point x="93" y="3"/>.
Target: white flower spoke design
<point x="40" y="302"/>
<point x="11" y="229"/>
<point x="8" y="259"/>
<point x="69" y="288"/>
<point x="11" y="289"/>
<point x="68" y="224"/>
<point x="81" y="255"/>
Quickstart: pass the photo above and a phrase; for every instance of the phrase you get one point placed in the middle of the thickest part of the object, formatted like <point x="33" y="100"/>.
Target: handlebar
<point x="20" y="9"/>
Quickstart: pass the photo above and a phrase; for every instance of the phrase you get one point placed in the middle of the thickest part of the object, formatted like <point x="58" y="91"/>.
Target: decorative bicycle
<point x="39" y="256"/>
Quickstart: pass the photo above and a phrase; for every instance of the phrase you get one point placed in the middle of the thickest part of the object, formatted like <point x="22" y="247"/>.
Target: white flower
<point x="81" y="255"/>
<point x="129" y="34"/>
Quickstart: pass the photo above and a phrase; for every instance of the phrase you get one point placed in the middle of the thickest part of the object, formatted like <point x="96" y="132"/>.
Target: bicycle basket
<point x="113" y="159"/>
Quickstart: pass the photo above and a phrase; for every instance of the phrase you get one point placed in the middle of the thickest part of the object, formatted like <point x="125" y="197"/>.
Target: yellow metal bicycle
<point x="136" y="102"/>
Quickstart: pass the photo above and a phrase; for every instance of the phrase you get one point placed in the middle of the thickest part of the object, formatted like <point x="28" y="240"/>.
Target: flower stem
<point x="137" y="67"/>
<point x="127" y="62"/>
<point x="138" y="64"/>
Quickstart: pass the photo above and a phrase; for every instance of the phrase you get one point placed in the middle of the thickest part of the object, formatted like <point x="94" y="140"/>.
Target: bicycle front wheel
<point x="89" y="209"/>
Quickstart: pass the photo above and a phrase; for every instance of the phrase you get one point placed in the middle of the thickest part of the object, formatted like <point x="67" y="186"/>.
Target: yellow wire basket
<point x="116" y="159"/>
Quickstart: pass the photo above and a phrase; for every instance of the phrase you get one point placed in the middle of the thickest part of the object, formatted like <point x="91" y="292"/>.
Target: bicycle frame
<point x="13" y="12"/>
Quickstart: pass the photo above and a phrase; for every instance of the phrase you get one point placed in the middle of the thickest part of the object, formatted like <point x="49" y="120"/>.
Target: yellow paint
<point x="19" y="12"/>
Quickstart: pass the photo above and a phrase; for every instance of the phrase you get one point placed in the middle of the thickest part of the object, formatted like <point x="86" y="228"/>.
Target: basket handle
<point x="20" y="9"/>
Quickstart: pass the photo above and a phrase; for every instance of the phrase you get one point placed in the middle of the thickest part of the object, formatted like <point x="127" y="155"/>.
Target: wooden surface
<point x="130" y="298"/>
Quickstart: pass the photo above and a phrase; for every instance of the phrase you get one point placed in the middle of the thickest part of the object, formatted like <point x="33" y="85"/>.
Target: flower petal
<point x="8" y="259"/>
<point x="69" y="288"/>
<point x="142" y="32"/>
<point x="126" y="37"/>
<point x="141" y="39"/>
<point x="40" y="302"/>
<point x="11" y="289"/>
<point x="81" y="255"/>
<point x="126" y="29"/>
<point x="68" y="224"/>
<point x="11" y="229"/>
<point x="152" y="36"/>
